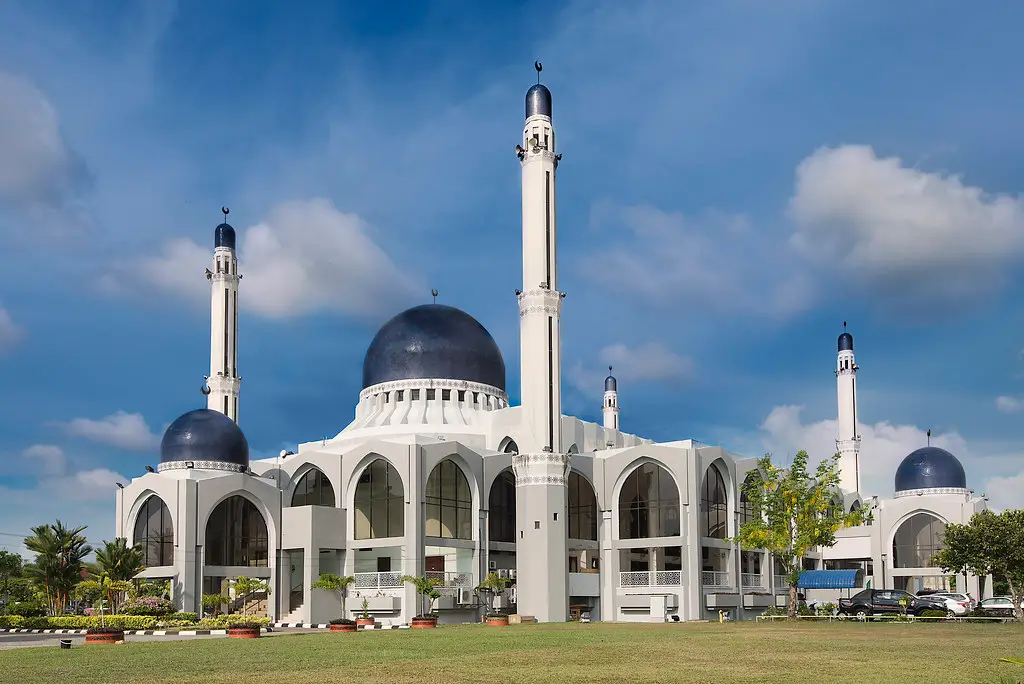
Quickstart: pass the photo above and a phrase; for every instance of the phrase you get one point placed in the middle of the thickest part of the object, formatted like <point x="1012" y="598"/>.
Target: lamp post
<point x="884" y="558"/>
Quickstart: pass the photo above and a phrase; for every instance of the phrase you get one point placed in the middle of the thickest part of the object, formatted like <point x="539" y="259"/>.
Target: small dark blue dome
<point x="206" y="436"/>
<point x="224" y="236"/>
<point x="437" y="342"/>
<point x="930" y="467"/>
<point x="846" y="342"/>
<point x="610" y="383"/>
<point x="538" y="101"/>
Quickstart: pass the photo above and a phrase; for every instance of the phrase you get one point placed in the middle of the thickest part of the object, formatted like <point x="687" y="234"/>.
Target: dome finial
<point x="539" y="67"/>
<point x="225" y="211"/>
<point x="844" y="325"/>
<point x="434" y="293"/>
<point x="929" y="435"/>
<point x="609" y="370"/>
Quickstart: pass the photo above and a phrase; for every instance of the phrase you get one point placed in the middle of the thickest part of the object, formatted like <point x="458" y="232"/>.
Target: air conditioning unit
<point x="492" y="565"/>
<point x="465" y="596"/>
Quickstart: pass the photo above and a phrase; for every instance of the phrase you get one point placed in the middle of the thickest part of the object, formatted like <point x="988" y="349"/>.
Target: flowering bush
<point x="148" y="605"/>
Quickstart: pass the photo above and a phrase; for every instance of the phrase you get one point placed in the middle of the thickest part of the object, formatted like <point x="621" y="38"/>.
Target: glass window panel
<point x="432" y="528"/>
<point x="396" y="517"/>
<point x="362" y="527"/>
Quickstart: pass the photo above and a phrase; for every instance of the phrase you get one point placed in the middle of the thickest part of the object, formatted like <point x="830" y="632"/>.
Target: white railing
<point x="378" y="580"/>
<point x="752" y="580"/>
<point x="651" y="578"/>
<point x="781" y="583"/>
<point x="451" y="582"/>
<point x="711" y="578"/>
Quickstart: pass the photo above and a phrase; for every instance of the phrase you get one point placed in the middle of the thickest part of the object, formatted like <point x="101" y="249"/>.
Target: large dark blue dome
<point x="207" y="439"/>
<point x="930" y="467"/>
<point x="436" y="342"/>
<point x="538" y="101"/>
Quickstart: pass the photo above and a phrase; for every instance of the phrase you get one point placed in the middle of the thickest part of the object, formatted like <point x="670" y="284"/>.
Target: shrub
<point x="148" y="605"/>
<point x="104" y="630"/>
<point x="184" y="617"/>
<point x="825" y="609"/>
<point x="342" y="621"/>
<point x="772" y="611"/>
<point x="130" y="622"/>
<point x="31" y="608"/>
<point x="226" y="621"/>
<point x="11" y="621"/>
<point x="932" y="613"/>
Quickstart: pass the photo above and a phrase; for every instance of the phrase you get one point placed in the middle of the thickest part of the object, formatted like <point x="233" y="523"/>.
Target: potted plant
<point x="244" y="628"/>
<point x="494" y="586"/>
<point x="104" y="635"/>
<point x="365" y="619"/>
<point x="329" y="582"/>
<point x="426" y="587"/>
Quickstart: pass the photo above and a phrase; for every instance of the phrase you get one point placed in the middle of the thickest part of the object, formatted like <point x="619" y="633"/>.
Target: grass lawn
<point x="564" y="653"/>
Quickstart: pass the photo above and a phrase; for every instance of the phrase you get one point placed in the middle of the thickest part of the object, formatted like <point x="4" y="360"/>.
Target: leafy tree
<point x="426" y="587"/>
<point x="794" y="513"/>
<point x="119" y="561"/>
<point x="213" y="602"/>
<point x="10" y="570"/>
<point x="329" y="582"/>
<point x="58" y="563"/>
<point x="989" y="544"/>
<point x="109" y="591"/>
<point x="246" y="586"/>
<point x="493" y="586"/>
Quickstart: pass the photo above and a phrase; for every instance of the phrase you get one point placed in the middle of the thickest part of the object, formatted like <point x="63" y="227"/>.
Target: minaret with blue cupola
<point x="847" y="436"/>
<point x="610" y="410"/>
<point x="223" y="382"/>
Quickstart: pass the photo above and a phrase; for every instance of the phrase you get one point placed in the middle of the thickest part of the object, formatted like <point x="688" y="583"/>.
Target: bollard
<point x="65" y="643"/>
<point x="721" y="616"/>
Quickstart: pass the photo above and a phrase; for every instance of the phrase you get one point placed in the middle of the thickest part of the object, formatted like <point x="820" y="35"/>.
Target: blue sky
<point x="738" y="179"/>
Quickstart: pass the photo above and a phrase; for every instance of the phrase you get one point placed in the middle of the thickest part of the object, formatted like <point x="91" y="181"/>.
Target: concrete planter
<point x="243" y="632"/>
<point x="365" y="622"/>
<point x="105" y="638"/>
<point x="343" y="628"/>
<point x="497" y="620"/>
<point x="424" y="623"/>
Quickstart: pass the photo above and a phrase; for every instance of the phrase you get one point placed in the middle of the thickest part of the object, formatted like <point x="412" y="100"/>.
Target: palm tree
<point x="118" y="560"/>
<point x="58" y="564"/>
<point x="330" y="582"/>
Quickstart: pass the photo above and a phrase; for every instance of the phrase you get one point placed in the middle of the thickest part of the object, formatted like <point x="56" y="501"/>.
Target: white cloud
<point x="124" y="430"/>
<point x="1007" y="404"/>
<point x="304" y="257"/>
<point x="38" y="171"/>
<point x="919" y="238"/>
<point x="1006" y="491"/>
<point x="713" y="261"/>
<point x="51" y="457"/>
<point x="649" y="362"/>
<point x="10" y="332"/>
<point x="883" y="445"/>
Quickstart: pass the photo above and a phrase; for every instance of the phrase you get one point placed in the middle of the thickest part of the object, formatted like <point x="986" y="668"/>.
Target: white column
<point x="847" y="438"/>
<point x="224" y="381"/>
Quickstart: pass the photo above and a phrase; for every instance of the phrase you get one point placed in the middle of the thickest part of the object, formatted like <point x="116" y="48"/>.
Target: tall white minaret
<point x="847" y="439"/>
<point x="223" y="381"/>
<point x="542" y="466"/>
<point x="610" y="410"/>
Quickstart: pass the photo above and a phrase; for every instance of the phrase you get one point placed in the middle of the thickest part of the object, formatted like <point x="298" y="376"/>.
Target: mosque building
<point x="438" y="475"/>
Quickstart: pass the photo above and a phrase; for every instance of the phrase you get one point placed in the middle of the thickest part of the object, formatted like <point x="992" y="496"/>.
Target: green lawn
<point x="569" y="654"/>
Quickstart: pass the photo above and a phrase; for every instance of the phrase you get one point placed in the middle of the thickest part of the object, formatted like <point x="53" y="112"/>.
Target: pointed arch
<point x="649" y="503"/>
<point x="582" y="508"/>
<point x="747" y="512"/>
<point x="508" y="446"/>
<point x="714" y="505"/>
<point x="314" y="489"/>
<point x="379" y="502"/>
<point x="501" y="507"/>
<point x="236" y="534"/>
<point x="855" y="506"/>
<point x="154" y="532"/>
<point x="449" y="502"/>
<point x="917" y="540"/>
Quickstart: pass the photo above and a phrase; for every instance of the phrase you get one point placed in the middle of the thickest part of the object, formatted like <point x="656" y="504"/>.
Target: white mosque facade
<point x="438" y="475"/>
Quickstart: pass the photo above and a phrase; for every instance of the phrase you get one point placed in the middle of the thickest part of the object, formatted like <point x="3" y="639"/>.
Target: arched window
<point x="449" y="503"/>
<point x="509" y="446"/>
<point x="314" y="489"/>
<point x="380" y="502"/>
<point x="917" y="540"/>
<point x="649" y="504"/>
<point x="714" y="505"/>
<point x="746" y="508"/>
<point x="236" y="534"/>
<point x="855" y="507"/>
<point x="154" y="532"/>
<point x="582" y="508"/>
<point x="501" y="505"/>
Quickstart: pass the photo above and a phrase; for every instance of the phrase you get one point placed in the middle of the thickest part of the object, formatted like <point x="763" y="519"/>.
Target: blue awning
<point x="831" y="579"/>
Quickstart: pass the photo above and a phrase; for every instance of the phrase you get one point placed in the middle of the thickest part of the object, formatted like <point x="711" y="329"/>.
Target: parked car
<point x="887" y="601"/>
<point x="964" y="603"/>
<point x="997" y="606"/>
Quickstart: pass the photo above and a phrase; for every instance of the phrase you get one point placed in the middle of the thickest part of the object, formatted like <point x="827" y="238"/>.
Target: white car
<point x="964" y="599"/>
<point x="953" y="606"/>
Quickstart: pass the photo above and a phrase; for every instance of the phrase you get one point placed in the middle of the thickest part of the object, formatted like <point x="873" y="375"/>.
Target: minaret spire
<point x="542" y="465"/>
<point x="610" y="409"/>
<point x="222" y="384"/>
<point x="847" y="437"/>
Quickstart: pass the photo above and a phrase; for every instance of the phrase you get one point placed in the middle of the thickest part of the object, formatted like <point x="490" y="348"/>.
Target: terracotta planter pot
<point x="365" y="622"/>
<point x="343" y="628"/>
<point x="497" y="621"/>
<point x="424" y="623"/>
<point x="243" y="632"/>
<point x="109" y="638"/>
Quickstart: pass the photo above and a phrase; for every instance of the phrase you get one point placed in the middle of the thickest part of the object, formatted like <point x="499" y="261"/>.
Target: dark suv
<point x="881" y="601"/>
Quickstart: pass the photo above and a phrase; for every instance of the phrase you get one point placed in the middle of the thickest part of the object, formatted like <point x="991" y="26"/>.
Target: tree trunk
<point x="1016" y="595"/>
<point x="791" y="605"/>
